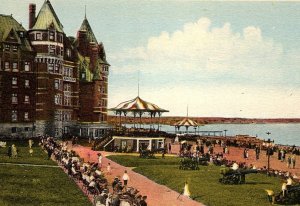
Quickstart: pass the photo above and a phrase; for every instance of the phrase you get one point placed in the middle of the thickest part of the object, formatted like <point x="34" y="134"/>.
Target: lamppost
<point x="225" y="131"/>
<point x="269" y="150"/>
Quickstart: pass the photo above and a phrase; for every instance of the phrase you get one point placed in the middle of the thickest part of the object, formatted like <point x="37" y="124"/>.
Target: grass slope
<point x="204" y="184"/>
<point x="30" y="186"/>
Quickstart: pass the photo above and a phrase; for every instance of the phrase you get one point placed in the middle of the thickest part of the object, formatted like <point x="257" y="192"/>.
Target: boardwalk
<point x="157" y="194"/>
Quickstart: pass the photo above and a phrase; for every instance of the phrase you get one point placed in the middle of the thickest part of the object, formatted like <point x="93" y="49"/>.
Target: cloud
<point x="209" y="67"/>
<point x="199" y="46"/>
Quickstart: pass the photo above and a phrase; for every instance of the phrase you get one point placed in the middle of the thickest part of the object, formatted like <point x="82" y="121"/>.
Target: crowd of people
<point x="91" y="177"/>
<point x="196" y="152"/>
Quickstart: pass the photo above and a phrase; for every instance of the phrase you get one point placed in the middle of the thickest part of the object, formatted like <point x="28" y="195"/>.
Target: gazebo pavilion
<point x="138" y="107"/>
<point x="186" y="122"/>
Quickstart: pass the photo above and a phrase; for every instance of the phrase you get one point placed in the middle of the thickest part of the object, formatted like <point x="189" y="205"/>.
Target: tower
<point x="93" y="78"/>
<point x="55" y="76"/>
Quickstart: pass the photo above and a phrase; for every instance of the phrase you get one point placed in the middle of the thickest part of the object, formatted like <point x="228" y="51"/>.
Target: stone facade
<point x="50" y="83"/>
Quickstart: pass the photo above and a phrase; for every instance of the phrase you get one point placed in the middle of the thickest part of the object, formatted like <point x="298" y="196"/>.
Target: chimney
<point x="31" y="15"/>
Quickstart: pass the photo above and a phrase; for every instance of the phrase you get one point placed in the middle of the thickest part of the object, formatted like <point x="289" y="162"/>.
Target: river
<point x="286" y="134"/>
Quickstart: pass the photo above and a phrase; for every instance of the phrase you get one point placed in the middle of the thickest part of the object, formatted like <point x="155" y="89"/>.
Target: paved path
<point x="29" y="165"/>
<point x="158" y="195"/>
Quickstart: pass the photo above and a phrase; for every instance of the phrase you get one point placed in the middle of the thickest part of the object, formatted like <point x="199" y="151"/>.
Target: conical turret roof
<point x="85" y="26"/>
<point x="46" y="18"/>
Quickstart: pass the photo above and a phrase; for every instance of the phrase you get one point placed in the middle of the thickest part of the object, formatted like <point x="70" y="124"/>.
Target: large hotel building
<point x="51" y="83"/>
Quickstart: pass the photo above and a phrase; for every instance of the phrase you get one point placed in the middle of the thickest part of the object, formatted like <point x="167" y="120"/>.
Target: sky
<point x="221" y="59"/>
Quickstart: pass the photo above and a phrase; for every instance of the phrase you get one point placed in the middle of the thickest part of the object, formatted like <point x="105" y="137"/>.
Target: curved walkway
<point x="157" y="194"/>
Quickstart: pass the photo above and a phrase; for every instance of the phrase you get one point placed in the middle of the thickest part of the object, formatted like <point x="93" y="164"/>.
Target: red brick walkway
<point x="158" y="195"/>
<point x="162" y="195"/>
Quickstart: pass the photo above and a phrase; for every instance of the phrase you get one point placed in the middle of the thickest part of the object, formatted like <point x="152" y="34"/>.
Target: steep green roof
<point x="46" y="18"/>
<point x="10" y="28"/>
<point x="85" y="26"/>
<point x="7" y="23"/>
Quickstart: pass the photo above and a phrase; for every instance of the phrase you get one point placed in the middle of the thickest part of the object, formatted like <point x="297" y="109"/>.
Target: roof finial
<point x="138" y="83"/>
<point x="84" y="11"/>
<point x="187" y="111"/>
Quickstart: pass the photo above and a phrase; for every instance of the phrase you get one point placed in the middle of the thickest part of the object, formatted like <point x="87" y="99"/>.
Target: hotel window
<point x="67" y="101"/>
<point x="14" y="81"/>
<point x="7" y="47"/>
<point x="56" y="68"/>
<point x="50" y="68"/>
<point x="15" y="66"/>
<point x="14" y="115"/>
<point x="51" y="36"/>
<point x="39" y="36"/>
<point x="26" y="116"/>
<point x="6" y="65"/>
<point x="15" y="48"/>
<point x="1" y="80"/>
<point x="67" y="88"/>
<point x="21" y="34"/>
<point x="27" y="66"/>
<point x="58" y="99"/>
<point x="27" y="83"/>
<point x="26" y="99"/>
<point x="61" y="52"/>
<point x="14" y="98"/>
<point x="52" y="49"/>
<point x="82" y="75"/>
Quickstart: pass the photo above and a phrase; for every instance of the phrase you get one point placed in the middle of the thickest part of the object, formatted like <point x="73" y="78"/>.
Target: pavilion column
<point x="150" y="143"/>
<point x="88" y="131"/>
<point x="80" y="131"/>
<point x="137" y="145"/>
<point x="94" y="132"/>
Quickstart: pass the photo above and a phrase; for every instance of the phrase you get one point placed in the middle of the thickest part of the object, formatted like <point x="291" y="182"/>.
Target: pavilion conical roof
<point x="138" y="104"/>
<point x="47" y="18"/>
<point x="186" y="122"/>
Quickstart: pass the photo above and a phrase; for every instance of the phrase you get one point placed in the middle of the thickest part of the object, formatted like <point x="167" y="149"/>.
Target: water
<point x="286" y="134"/>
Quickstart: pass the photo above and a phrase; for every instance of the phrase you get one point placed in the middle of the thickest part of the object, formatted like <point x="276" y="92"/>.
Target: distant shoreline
<point x="169" y="120"/>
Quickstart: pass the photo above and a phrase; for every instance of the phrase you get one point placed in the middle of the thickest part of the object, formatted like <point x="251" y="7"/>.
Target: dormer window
<point x="38" y="36"/>
<point x="82" y="75"/>
<point x="7" y="47"/>
<point x="51" y="36"/>
<point x="68" y="53"/>
<point x="15" y="48"/>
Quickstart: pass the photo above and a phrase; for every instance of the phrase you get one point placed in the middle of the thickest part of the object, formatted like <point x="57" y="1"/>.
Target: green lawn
<point x="204" y="185"/>
<point x="38" y="157"/>
<point x="36" y="185"/>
